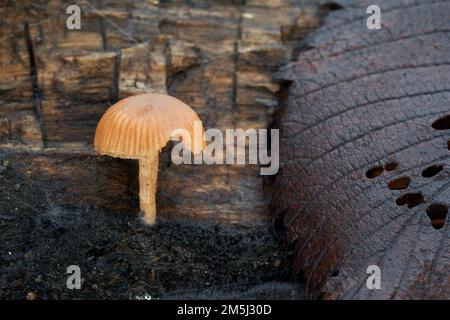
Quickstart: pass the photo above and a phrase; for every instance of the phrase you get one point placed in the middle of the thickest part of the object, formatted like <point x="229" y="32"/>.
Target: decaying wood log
<point x="217" y="56"/>
<point x="365" y="173"/>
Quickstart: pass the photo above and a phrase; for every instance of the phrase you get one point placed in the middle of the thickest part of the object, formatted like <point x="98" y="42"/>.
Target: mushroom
<point x="138" y="127"/>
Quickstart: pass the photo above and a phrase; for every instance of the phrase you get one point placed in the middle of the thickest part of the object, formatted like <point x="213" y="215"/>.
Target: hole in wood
<point x="374" y="172"/>
<point x="431" y="171"/>
<point x="442" y="123"/>
<point x="411" y="200"/>
<point x="335" y="273"/>
<point x="331" y="6"/>
<point x="391" y="166"/>
<point x="399" y="183"/>
<point x="437" y="212"/>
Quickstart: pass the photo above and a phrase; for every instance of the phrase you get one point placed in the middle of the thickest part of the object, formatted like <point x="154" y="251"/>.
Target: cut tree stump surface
<point x="217" y="56"/>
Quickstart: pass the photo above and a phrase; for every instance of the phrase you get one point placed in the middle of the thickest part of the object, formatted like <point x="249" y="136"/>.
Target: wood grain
<point x="217" y="56"/>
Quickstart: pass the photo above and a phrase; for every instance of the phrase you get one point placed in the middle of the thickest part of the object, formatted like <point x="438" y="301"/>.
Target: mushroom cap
<point x="139" y="126"/>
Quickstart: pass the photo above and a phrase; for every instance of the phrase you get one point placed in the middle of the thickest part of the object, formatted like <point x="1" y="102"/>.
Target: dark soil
<point x="121" y="258"/>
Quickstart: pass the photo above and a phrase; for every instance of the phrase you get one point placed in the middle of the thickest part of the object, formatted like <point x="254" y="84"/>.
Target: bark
<point x="217" y="56"/>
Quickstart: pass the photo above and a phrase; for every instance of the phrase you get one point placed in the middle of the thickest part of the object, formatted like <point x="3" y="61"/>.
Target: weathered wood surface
<point x="365" y="153"/>
<point x="217" y="56"/>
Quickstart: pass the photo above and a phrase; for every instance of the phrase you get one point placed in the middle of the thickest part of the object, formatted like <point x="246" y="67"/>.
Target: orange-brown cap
<point x="139" y="126"/>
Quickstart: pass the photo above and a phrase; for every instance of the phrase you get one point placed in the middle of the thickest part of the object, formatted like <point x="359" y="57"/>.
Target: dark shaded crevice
<point x="327" y="7"/>
<point x="399" y="183"/>
<point x="101" y="24"/>
<point x="391" y="166"/>
<point x="170" y="75"/>
<point x="437" y="212"/>
<point x="442" y="123"/>
<point x="331" y="6"/>
<point x="335" y="273"/>
<point x="432" y="170"/>
<point x="302" y="47"/>
<point x="374" y="172"/>
<point x="114" y="92"/>
<point x="102" y="28"/>
<point x="37" y="93"/>
<point x="411" y="200"/>
<point x="278" y="226"/>
<point x="174" y="76"/>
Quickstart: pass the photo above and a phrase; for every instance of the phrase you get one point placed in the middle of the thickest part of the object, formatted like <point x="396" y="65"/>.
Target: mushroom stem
<point x="148" y="176"/>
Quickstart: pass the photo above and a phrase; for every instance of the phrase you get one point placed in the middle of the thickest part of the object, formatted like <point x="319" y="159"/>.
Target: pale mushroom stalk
<point x="148" y="177"/>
